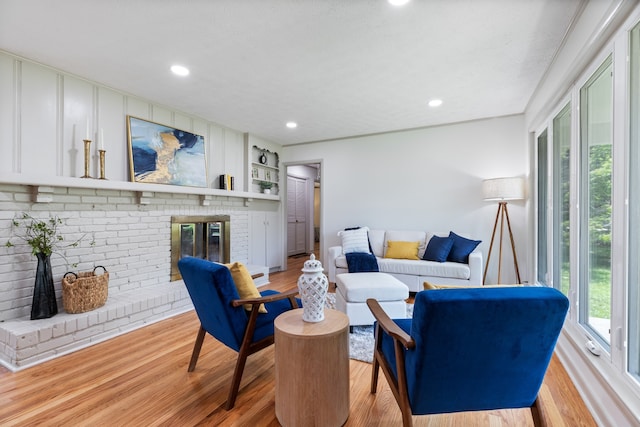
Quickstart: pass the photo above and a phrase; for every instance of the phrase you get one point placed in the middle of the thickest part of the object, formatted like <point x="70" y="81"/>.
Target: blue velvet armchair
<point x="223" y="316"/>
<point x="469" y="349"/>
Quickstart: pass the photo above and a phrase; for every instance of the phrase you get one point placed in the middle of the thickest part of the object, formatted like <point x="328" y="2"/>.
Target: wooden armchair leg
<point x="196" y="349"/>
<point x="237" y="377"/>
<point x="376" y="364"/>
<point x="374" y="374"/>
<point x="407" y="420"/>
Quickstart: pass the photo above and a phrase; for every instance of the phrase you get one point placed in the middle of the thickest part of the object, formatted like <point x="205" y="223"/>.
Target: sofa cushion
<point x="421" y="268"/>
<point x="358" y="287"/>
<point x="341" y="261"/>
<point x="461" y="249"/>
<point x="355" y="240"/>
<point x="438" y="249"/>
<point x="376" y="240"/>
<point x="402" y="250"/>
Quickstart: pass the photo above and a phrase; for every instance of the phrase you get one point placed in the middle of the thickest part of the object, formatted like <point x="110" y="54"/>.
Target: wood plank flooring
<point x="141" y="379"/>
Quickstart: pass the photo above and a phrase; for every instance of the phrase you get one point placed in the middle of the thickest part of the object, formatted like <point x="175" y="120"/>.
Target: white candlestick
<point x="87" y="135"/>
<point x="101" y="139"/>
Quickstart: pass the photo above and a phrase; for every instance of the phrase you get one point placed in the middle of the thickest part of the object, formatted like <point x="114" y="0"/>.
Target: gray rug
<point x="361" y="340"/>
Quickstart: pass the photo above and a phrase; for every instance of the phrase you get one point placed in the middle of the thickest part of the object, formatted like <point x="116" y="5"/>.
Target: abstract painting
<point x="160" y="154"/>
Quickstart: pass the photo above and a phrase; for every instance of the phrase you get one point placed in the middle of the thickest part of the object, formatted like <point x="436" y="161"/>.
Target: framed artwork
<point x="254" y="172"/>
<point x="160" y="154"/>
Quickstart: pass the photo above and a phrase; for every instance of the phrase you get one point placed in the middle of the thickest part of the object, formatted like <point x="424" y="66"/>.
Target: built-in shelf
<point x="264" y="168"/>
<point x="260" y="165"/>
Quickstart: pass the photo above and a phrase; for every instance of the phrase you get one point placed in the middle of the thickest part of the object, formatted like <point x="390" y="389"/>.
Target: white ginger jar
<point x="313" y="286"/>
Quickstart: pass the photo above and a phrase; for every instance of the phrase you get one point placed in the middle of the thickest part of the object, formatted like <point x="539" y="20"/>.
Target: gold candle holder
<point x="87" y="147"/>
<point x="102" y="154"/>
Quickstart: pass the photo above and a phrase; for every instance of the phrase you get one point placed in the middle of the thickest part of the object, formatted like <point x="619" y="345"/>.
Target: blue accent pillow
<point x="461" y="248"/>
<point x="438" y="249"/>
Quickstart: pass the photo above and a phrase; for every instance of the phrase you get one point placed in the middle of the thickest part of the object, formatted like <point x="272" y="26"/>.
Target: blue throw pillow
<point x="461" y="248"/>
<point x="438" y="249"/>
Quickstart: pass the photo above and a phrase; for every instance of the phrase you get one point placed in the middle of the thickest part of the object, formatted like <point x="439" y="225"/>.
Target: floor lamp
<point x="502" y="189"/>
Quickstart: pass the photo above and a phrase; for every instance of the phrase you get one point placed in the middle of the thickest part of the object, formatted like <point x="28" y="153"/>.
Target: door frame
<point x="285" y="202"/>
<point x="302" y="212"/>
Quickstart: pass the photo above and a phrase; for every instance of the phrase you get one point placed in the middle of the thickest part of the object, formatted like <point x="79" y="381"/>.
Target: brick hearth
<point x="25" y="342"/>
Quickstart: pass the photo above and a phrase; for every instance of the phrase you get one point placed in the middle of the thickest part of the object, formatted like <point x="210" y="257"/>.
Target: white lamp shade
<point x="503" y="189"/>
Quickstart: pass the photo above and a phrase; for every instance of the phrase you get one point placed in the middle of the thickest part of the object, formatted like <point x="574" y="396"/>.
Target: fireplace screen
<point x="204" y="237"/>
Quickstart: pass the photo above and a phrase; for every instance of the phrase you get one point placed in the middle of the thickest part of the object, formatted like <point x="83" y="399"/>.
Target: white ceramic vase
<point x="313" y="286"/>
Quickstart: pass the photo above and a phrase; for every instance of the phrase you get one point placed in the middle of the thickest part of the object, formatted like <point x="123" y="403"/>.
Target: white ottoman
<point x="353" y="290"/>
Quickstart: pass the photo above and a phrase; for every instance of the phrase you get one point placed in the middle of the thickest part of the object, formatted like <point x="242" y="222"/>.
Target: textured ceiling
<point x="339" y="68"/>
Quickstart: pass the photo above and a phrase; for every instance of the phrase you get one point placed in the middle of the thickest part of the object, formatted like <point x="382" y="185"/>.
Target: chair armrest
<point x="389" y="326"/>
<point x="269" y="298"/>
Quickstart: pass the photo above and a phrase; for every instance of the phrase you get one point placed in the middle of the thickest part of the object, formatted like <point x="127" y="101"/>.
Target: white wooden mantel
<point x="43" y="188"/>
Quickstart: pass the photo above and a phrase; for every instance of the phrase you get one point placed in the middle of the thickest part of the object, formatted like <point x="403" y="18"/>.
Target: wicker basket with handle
<point x="84" y="291"/>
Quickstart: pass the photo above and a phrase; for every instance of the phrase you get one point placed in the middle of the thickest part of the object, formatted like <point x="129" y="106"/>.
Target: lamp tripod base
<point x="503" y="213"/>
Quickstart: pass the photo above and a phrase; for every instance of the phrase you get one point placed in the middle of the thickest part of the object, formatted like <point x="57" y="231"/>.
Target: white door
<point x="296" y="216"/>
<point x="264" y="232"/>
<point x="273" y="239"/>
<point x="257" y="238"/>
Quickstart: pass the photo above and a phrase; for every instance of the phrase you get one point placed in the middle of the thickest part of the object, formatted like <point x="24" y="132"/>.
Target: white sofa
<point x="413" y="273"/>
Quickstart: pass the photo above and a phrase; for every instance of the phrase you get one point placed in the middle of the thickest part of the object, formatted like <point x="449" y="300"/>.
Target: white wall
<point x="426" y="179"/>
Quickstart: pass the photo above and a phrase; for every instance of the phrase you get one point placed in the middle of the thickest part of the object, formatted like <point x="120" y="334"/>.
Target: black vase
<point x="44" y="303"/>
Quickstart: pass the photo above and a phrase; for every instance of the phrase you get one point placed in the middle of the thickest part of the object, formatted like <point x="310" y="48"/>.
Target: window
<point x="561" y="198"/>
<point x="634" y="209"/>
<point x="542" y="208"/>
<point x="591" y="230"/>
<point x="596" y="142"/>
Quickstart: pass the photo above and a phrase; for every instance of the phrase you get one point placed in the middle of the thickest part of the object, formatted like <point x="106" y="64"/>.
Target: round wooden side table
<point x="312" y="369"/>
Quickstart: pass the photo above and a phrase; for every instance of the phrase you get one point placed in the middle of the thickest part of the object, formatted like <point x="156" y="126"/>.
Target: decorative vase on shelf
<point x="44" y="303"/>
<point x="267" y="191"/>
<point x="313" y="286"/>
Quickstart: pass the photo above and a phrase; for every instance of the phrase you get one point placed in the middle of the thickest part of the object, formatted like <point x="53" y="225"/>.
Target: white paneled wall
<point x="7" y="116"/>
<point x="37" y="133"/>
<point x="46" y="113"/>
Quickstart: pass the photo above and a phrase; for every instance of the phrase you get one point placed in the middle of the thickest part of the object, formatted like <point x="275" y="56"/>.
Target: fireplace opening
<point x="206" y="237"/>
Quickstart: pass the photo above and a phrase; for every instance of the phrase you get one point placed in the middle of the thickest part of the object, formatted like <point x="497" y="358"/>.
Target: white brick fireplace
<point x="132" y="233"/>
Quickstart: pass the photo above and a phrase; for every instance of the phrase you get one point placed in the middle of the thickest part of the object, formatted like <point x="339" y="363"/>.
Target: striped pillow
<point x="355" y="240"/>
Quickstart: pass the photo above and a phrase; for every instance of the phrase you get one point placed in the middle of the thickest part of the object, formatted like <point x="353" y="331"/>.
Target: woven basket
<point x="84" y="291"/>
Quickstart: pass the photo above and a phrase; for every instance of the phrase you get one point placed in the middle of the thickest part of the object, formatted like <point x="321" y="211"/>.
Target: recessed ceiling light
<point x="435" y="103"/>
<point x="179" y="70"/>
<point x="292" y="125"/>
<point x="398" y="2"/>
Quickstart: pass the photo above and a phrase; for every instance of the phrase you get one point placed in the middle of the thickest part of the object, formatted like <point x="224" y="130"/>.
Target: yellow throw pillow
<point x="429" y="286"/>
<point x="244" y="283"/>
<point x="402" y="250"/>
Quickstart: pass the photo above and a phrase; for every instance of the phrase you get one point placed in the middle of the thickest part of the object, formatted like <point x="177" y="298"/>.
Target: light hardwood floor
<point x="141" y="379"/>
